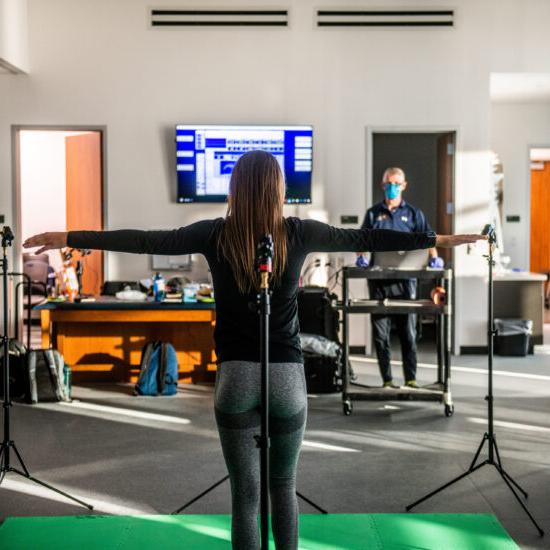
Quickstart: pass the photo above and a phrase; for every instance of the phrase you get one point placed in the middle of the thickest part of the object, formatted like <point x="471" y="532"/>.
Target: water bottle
<point x="159" y="288"/>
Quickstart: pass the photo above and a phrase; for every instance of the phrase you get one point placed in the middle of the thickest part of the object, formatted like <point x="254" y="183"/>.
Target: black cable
<point x="312" y="264"/>
<point x="335" y="274"/>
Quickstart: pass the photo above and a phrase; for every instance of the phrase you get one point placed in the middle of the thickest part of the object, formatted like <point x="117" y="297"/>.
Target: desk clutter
<point x="173" y="291"/>
<point x="65" y="282"/>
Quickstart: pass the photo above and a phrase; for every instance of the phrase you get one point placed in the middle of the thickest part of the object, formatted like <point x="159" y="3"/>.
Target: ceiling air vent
<point x="219" y="18"/>
<point x="385" y="18"/>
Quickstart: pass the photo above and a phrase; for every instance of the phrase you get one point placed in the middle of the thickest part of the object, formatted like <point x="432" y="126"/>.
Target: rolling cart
<point x="440" y="390"/>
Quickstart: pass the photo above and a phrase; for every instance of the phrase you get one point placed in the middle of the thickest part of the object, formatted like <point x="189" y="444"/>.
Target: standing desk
<point x="440" y="390"/>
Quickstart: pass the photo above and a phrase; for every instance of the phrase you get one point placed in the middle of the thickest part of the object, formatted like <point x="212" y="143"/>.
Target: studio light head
<point x="7" y="236"/>
<point x="489" y="231"/>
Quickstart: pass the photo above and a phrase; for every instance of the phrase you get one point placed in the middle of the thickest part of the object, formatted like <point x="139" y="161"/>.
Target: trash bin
<point x="513" y="336"/>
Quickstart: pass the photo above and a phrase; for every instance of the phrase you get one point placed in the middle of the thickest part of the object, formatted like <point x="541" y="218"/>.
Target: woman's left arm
<point x="185" y="240"/>
<point x="320" y="237"/>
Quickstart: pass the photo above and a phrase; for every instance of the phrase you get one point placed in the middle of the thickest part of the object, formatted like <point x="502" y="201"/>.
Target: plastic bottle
<point x="159" y="287"/>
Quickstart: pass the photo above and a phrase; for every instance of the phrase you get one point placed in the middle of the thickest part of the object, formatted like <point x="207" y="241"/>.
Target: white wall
<point x="514" y="128"/>
<point x="14" y="52"/>
<point x="98" y="62"/>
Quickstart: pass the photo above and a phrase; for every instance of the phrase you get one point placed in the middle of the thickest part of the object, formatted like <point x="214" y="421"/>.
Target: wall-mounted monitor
<point x="207" y="154"/>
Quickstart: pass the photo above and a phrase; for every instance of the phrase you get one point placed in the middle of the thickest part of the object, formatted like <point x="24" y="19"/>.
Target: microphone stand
<point x="7" y="442"/>
<point x="264" y="265"/>
<point x="493" y="458"/>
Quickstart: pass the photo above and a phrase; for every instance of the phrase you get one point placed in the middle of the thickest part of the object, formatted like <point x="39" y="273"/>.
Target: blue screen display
<point x="206" y="156"/>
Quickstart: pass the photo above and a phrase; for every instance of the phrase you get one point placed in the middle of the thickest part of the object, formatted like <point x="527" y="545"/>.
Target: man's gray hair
<point x="392" y="171"/>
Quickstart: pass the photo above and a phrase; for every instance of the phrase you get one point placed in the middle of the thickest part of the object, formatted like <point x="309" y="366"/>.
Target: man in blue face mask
<point x="394" y="213"/>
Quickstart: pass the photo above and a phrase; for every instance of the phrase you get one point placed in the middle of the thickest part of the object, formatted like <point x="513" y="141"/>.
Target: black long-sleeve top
<point x="237" y="329"/>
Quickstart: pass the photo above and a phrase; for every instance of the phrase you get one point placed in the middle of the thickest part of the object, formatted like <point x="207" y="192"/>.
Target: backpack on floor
<point x="68" y="380"/>
<point x="158" y="371"/>
<point x="46" y="376"/>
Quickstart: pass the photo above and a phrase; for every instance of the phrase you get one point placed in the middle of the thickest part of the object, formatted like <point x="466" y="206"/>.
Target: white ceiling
<point x="520" y="87"/>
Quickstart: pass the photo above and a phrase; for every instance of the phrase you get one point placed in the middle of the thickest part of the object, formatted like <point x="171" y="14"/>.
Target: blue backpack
<point x="158" y="374"/>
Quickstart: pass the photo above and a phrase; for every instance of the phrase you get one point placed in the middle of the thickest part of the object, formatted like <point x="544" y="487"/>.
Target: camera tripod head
<point x="7" y="236"/>
<point x="489" y="231"/>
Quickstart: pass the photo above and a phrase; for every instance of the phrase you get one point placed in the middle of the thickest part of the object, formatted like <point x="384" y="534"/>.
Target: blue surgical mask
<point x="392" y="190"/>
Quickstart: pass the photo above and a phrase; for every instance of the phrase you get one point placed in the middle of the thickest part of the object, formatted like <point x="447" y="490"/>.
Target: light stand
<point x="7" y="442"/>
<point x="493" y="457"/>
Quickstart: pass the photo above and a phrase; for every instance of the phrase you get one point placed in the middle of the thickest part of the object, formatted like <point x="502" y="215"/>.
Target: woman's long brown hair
<point x="255" y="208"/>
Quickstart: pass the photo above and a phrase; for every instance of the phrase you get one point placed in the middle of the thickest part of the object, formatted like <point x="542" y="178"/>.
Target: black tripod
<point x="493" y="457"/>
<point x="7" y="442"/>
<point x="263" y="265"/>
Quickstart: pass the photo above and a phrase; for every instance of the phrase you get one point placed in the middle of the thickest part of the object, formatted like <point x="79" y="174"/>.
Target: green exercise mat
<point x="317" y="532"/>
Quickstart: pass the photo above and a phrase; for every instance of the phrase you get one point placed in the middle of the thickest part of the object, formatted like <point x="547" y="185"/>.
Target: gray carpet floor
<point x="130" y="455"/>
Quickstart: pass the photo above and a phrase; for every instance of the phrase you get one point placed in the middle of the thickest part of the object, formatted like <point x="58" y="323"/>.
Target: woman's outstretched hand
<point x="448" y="241"/>
<point x="47" y="241"/>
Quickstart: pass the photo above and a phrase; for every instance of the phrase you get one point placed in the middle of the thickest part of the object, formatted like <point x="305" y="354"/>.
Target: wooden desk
<point x="102" y="340"/>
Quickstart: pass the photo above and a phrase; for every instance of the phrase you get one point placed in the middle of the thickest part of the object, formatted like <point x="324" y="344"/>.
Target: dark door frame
<point x="369" y="183"/>
<point x="371" y="130"/>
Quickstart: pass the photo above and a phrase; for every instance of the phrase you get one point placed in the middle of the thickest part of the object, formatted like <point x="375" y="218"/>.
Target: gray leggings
<point x="237" y="407"/>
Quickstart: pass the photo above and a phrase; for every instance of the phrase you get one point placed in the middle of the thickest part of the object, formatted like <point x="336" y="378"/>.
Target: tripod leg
<point x="476" y="456"/>
<point x="504" y="473"/>
<point x="21" y="461"/>
<point x="448" y="484"/>
<point x="311" y="503"/>
<point x="4" y="459"/>
<point x="533" y="521"/>
<point x="187" y="504"/>
<point x="514" y="483"/>
<point x="458" y="478"/>
<point x="59" y="491"/>
<point x="3" y="467"/>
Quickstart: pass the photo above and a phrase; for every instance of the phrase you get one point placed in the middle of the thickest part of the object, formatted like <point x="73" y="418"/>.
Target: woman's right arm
<point x="185" y="240"/>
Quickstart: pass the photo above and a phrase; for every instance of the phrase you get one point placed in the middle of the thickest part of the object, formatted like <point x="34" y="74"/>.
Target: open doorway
<point x="427" y="159"/>
<point x="59" y="186"/>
